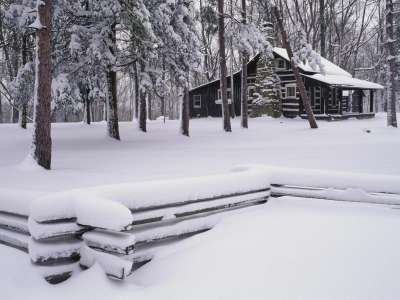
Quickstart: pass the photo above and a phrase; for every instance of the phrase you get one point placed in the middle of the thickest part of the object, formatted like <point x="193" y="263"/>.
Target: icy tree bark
<point x="185" y="116"/>
<point x="41" y="144"/>
<point x="244" y="88"/>
<point x="392" y="68"/>
<point x="223" y="71"/>
<point x="299" y="81"/>
<point x="112" y="117"/>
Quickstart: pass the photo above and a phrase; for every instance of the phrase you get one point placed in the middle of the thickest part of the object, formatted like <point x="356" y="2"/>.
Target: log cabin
<point x="333" y="92"/>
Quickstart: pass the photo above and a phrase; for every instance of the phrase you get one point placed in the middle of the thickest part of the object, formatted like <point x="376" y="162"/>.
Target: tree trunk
<point x="244" y="88"/>
<point x="149" y="106"/>
<point x="322" y="25"/>
<point x="136" y="78"/>
<point x="223" y="70"/>
<point x="112" y="117"/>
<point x="142" y="104"/>
<point x="185" y="118"/>
<point x="112" y="113"/>
<point x="1" y="110"/>
<point x="24" y="106"/>
<point x="299" y="81"/>
<point x="41" y="144"/>
<point x="23" y="112"/>
<point x="232" y="67"/>
<point x="88" y="110"/>
<point x="392" y="68"/>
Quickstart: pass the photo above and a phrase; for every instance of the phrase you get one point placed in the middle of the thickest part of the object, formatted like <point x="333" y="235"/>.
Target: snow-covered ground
<point x="288" y="249"/>
<point x="83" y="156"/>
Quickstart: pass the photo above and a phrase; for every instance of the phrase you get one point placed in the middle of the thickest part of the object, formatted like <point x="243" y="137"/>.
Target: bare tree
<point x="223" y="69"/>
<point x="296" y="71"/>
<point x="41" y="144"/>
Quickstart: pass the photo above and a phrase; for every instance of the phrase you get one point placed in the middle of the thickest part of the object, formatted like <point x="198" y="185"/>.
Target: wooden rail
<point x="57" y="246"/>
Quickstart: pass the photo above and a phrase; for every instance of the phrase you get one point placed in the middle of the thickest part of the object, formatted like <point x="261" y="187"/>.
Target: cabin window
<point x="317" y="97"/>
<point x="290" y="91"/>
<point x="197" y="101"/>
<point x="280" y="64"/>
<point x="219" y="100"/>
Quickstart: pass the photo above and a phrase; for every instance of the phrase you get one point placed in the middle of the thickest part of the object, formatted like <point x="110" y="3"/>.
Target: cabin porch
<point x="338" y="102"/>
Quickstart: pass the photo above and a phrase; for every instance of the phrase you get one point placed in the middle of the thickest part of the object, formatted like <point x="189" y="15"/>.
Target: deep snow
<point x="83" y="156"/>
<point x="287" y="249"/>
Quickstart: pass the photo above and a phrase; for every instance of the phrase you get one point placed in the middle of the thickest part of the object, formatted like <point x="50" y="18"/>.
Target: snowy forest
<point x="89" y="61"/>
<point x="199" y="149"/>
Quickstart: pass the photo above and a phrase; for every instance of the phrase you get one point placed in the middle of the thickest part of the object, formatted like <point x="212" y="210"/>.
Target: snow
<point x="103" y="214"/>
<point x="43" y="231"/>
<point x="287" y="249"/>
<point x="14" y="238"/>
<point x="170" y="230"/>
<point x="17" y="201"/>
<point x="113" y="241"/>
<point x="345" y="81"/>
<point x="337" y="179"/>
<point x="171" y="213"/>
<point x="84" y="157"/>
<point x="329" y="67"/>
<point x="330" y="73"/>
<point x="18" y="223"/>
<point x="61" y="249"/>
<point x="111" y="265"/>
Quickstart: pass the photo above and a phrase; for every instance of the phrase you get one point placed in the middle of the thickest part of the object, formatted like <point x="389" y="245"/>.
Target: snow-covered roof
<point x="346" y="82"/>
<point x="333" y="74"/>
<point x="329" y="67"/>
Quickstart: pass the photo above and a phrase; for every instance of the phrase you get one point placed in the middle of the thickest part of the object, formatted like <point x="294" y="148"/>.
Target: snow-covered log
<point x="14" y="223"/>
<point x="59" y="230"/>
<point x="113" y="242"/>
<point x="14" y="239"/>
<point x="114" y="266"/>
<point x="54" y="253"/>
<point x="347" y="195"/>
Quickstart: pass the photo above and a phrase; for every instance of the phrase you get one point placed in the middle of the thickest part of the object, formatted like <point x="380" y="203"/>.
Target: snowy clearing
<point x="287" y="249"/>
<point x="84" y="156"/>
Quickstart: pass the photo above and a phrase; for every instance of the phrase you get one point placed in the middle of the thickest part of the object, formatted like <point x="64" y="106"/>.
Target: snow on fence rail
<point x="121" y="226"/>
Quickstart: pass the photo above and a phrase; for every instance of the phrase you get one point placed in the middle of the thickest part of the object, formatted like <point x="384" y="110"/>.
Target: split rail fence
<point x="60" y="241"/>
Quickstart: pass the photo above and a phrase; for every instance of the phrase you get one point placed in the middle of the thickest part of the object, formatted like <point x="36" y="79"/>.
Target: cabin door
<point x="366" y="103"/>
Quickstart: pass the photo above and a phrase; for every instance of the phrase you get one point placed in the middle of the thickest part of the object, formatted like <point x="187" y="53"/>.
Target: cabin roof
<point x="329" y="67"/>
<point x="332" y="75"/>
<point x="345" y="82"/>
